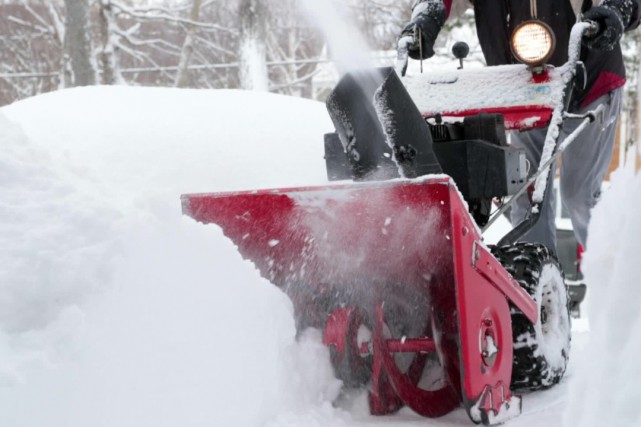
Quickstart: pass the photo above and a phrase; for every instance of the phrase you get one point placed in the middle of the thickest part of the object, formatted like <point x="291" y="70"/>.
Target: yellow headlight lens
<point x="533" y="43"/>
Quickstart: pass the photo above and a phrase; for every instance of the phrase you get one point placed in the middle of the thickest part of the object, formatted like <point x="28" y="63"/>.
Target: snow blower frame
<point x="393" y="267"/>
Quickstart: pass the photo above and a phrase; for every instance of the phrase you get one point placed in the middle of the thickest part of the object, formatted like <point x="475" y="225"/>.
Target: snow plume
<point x="606" y="384"/>
<point x="345" y="44"/>
<point x="360" y="236"/>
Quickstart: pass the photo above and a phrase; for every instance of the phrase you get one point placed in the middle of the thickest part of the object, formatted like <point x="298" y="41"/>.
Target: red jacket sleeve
<point x="448" y="7"/>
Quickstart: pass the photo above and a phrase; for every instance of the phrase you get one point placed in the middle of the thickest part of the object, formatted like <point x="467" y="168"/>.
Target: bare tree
<point x="252" y="49"/>
<point x="162" y="44"/>
<point x="380" y="21"/>
<point x="79" y="68"/>
<point x="30" y="49"/>
<point x="182" y="76"/>
<point x="292" y="46"/>
<point x="108" y="51"/>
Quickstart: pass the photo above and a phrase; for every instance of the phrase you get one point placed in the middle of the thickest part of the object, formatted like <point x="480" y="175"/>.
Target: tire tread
<point x="530" y="370"/>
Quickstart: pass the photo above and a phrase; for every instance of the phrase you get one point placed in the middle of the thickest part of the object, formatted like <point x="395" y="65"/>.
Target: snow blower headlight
<point x="533" y="43"/>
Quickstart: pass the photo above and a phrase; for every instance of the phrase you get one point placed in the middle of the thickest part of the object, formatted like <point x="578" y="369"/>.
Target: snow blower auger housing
<point x="393" y="268"/>
<point x="387" y="269"/>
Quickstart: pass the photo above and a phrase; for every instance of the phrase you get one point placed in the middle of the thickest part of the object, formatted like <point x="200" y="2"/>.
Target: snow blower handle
<point x="543" y="177"/>
<point x="408" y="40"/>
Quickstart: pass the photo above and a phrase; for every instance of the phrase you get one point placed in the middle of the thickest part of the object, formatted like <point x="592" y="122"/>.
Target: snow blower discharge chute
<point x="392" y="266"/>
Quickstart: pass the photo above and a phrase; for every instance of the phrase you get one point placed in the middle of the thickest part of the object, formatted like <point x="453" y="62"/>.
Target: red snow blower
<point x="392" y="266"/>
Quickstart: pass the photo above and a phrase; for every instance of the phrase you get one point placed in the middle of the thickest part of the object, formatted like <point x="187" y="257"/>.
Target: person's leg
<point x="544" y="231"/>
<point x="586" y="161"/>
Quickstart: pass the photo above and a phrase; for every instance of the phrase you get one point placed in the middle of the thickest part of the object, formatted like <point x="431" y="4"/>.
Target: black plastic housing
<point x="481" y="169"/>
<point x="336" y="162"/>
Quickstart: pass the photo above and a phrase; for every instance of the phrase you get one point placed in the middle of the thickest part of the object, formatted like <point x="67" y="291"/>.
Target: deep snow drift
<point x="117" y="311"/>
<point x="607" y="390"/>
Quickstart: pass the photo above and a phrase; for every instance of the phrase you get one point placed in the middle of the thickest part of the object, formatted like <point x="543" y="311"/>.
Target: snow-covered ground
<point x="115" y="310"/>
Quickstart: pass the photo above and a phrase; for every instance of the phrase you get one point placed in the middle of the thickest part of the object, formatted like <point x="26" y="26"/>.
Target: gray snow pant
<point x="584" y="165"/>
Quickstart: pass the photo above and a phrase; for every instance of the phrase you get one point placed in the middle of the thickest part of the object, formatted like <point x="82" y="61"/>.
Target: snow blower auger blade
<point x="395" y="274"/>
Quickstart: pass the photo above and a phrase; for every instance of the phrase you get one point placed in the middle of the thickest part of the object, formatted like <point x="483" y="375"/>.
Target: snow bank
<point x="115" y="309"/>
<point x="605" y="389"/>
<point x="159" y="141"/>
<point x="55" y="250"/>
<point x="188" y="335"/>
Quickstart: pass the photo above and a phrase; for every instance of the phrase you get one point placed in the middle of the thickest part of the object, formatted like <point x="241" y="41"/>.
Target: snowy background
<point x="115" y="310"/>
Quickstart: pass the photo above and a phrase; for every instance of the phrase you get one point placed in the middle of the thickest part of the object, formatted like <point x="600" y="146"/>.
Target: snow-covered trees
<point x="31" y="39"/>
<point x="631" y="50"/>
<point x="187" y="43"/>
<point x="380" y="21"/>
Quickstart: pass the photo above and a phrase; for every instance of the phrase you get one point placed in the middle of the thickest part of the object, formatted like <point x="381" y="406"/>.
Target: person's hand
<point x="610" y="28"/>
<point x="426" y="28"/>
<point x="428" y="17"/>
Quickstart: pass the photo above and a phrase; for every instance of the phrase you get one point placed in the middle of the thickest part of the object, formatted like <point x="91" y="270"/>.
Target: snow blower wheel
<point x="541" y="350"/>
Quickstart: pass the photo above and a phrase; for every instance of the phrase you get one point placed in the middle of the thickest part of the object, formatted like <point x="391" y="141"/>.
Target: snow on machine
<point x="392" y="266"/>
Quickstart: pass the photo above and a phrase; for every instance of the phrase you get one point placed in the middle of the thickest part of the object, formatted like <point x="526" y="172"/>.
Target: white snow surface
<point x="115" y="310"/>
<point x="608" y="393"/>
<point x="483" y="88"/>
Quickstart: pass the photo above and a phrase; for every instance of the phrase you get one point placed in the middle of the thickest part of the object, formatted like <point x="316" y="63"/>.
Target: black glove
<point x="427" y="23"/>
<point x="613" y="17"/>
